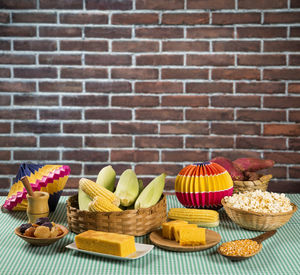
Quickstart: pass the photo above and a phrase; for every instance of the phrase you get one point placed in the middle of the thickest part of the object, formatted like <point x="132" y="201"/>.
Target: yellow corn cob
<point x="101" y="204"/>
<point x="93" y="189"/>
<point x="201" y="217"/>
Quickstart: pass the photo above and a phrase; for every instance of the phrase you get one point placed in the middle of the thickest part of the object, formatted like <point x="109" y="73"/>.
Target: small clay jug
<point x="37" y="206"/>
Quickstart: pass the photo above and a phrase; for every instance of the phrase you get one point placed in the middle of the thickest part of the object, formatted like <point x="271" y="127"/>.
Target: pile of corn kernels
<point x="239" y="248"/>
<point x="260" y="202"/>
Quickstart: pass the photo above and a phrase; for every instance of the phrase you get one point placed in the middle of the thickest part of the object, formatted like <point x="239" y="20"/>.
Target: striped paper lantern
<point x="203" y="185"/>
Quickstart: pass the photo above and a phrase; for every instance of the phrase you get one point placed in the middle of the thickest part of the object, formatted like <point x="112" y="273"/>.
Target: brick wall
<point x="148" y="84"/>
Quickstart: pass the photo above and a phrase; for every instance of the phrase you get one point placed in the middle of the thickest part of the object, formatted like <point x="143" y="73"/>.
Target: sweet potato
<point x="252" y="164"/>
<point x="228" y="165"/>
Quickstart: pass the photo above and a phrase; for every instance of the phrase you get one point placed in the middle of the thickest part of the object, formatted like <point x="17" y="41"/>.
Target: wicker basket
<point x="257" y="221"/>
<point x="131" y="222"/>
<point x="249" y="185"/>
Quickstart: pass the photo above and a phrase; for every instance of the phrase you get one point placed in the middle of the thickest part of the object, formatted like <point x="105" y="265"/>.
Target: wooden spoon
<point x="259" y="239"/>
<point x="27" y="186"/>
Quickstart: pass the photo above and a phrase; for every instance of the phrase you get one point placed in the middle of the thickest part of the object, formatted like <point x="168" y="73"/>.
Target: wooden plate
<point x="212" y="239"/>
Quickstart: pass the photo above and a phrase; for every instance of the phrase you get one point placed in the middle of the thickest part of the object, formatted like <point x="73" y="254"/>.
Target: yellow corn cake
<point x="168" y="228"/>
<point x="191" y="236"/>
<point x="105" y="242"/>
<point x="179" y="226"/>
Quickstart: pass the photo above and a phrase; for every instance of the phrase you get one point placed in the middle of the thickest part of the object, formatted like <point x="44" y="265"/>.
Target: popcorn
<point x="260" y="202"/>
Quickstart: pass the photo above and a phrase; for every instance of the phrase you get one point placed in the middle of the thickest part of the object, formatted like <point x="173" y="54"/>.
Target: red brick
<point x="261" y="87"/>
<point x="185" y="100"/>
<point x="210" y="60"/>
<point x="295" y="32"/>
<point x="9" y="141"/>
<point x="211" y="5"/>
<point x="108" y="114"/>
<point x="236" y="46"/>
<point x="185" y="128"/>
<point x="85" y="155"/>
<point x="60" y="32"/>
<point x="156" y="169"/>
<point x="93" y="169"/>
<point x="185" y="46"/>
<point x="212" y="32"/>
<point x="133" y="127"/>
<point x="261" y="59"/>
<point x="158" y="87"/>
<point x="235" y="74"/>
<point x="281" y="46"/>
<point x="135" y="46"/>
<point x="83" y="73"/>
<point x="85" y="128"/>
<point x="35" y="72"/>
<point x="184" y="155"/>
<point x="85" y="100"/>
<point x="281" y="17"/>
<point x="107" y="32"/>
<point x="234" y="154"/>
<point x="185" y="18"/>
<point x="4" y="155"/>
<point x="295" y="4"/>
<point x="76" y="170"/>
<point x="36" y="127"/>
<point x="29" y="100"/>
<point x="57" y="4"/>
<point x="261" y="32"/>
<point x="294" y="143"/>
<point x="109" y="5"/>
<point x="158" y="114"/>
<point x="60" y="114"/>
<point x="159" y="5"/>
<point x="35" y="45"/>
<point x="235" y="101"/>
<point x="283" y="157"/>
<point x="294" y="116"/>
<point x="4" y="100"/>
<point x="34" y="17"/>
<point x="108" y="142"/>
<point x="9" y="168"/>
<point x="260" y="115"/>
<point x="4" y="73"/>
<point x="159" y="32"/>
<point x="4" y="45"/>
<point x="209" y="87"/>
<point x="134" y="18"/>
<point x="281" y="102"/>
<point x="83" y="18"/>
<point x="86" y="46"/>
<point x="184" y="73"/>
<point x="209" y="114"/>
<point x="294" y="172"/>
<point x="72" y="87"/>
<point x="134" y="155"/>
<point x="134" y="73"/>
<point x="235" y="128"/>
<point x="235" y="18"/>
<point x="284" y="186"/>
<point x="209" y="142"/>
<point x="18" y="4"/>
<point x="157" y="60"/>
<point x="5" y="128"/>
<point x="108" y="60"/>
<point x="294" y="60"/>
<point x="108" y="87"/>
<point x="294" y="88"/>
<point x="60" y="59"/>
<point x="277" y="172"/>
<point x="56" y="141"/>
<point x="257" y="4"/>
<point x="22" y="114"/>
<point x="281" y="129"/>
<point x="17" y="59"/>
<point x="4" y="17"/>
<point x="17" y="31"/>
<point x="36" y="155"/>
<point x="260" y="143"/>
<point x="158" y="142"/>
<point x="135" y="101"/>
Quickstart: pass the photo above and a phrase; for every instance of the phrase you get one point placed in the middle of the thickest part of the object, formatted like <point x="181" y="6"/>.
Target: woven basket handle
<point x="264" y="236"/>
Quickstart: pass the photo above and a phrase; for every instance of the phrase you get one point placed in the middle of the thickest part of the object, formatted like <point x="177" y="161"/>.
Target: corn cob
<point x="93" y="189"/>
<point x="101" y="204"/>
<point x="201" y="217"/>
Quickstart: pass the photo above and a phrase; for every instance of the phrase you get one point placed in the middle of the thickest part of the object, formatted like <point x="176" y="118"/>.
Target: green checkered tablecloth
<point x="280" y="254"/>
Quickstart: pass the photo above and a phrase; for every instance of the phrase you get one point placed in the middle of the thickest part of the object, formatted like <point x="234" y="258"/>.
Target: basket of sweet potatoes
<point x="245" y="173"/>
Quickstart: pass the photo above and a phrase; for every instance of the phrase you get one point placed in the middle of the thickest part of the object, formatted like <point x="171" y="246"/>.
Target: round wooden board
<point x="212" y="239"/>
